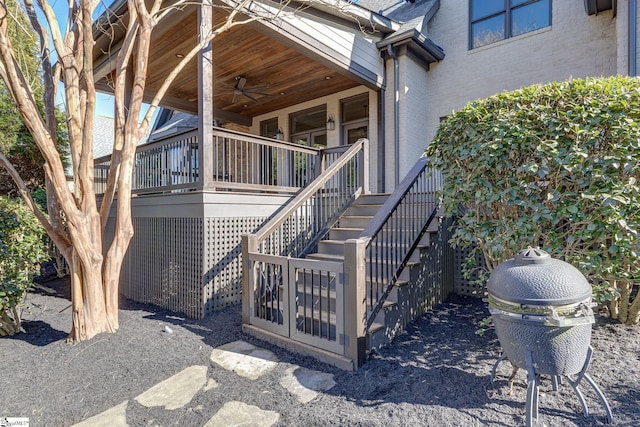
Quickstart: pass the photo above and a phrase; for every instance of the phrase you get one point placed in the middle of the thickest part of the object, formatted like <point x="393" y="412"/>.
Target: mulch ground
<point x="434" y="374"/>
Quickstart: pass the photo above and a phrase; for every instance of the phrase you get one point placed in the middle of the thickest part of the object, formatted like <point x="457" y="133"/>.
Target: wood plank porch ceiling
<point x="245" y="51"/>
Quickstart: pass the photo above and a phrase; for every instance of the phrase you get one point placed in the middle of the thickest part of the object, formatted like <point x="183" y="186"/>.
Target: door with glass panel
<point x="267" y="156"/>
<point x="355" y="125"/>
<point x="308" y="127"/>
<point x="355" y="118"/>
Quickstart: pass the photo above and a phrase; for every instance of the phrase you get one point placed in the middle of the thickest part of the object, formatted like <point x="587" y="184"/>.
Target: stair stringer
<point x="423" y="284"/>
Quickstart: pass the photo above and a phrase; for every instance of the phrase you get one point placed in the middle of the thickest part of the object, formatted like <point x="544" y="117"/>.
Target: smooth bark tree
<point x="94" y="273"/>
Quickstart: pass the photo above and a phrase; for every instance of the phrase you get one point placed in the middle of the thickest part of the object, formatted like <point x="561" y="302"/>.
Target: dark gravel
<point x="435" y="374"/>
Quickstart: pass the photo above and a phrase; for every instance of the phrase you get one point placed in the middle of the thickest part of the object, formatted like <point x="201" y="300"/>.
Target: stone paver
<point x="176" y="391"/>
<point x="306" y="383"/>
<point x="240" y="414"/>
<point x="114" y="417"/>
<point x="244" y="359"/>
<point x="211" y="384"/>
<point x="240" y="357"/>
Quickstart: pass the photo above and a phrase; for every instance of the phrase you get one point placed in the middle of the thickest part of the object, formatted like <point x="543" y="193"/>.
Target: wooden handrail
<point x="220" y="132"/>
<point x="378" y="223"/>
<point x="153" y="155"/>
<point x="270" y="142"/>
<point x="380" y="218"/>
<point x="308" y="191"/>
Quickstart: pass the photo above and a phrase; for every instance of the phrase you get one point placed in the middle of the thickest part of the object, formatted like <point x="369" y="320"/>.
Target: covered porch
<point x="219" y="167"/>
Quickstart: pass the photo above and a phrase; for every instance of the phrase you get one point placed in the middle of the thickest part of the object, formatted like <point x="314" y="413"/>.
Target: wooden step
<point x="307" y="278"/>
<point x="311" y="323"/>
<point x="368" y="209"/>
<point x="354" y="221"/>
<point x="434" y="226"/>
<point x="326" y="257"/>
<point x="376" y="199"/>
<point x="338" y="233"/>
<point x="331" y="247"/>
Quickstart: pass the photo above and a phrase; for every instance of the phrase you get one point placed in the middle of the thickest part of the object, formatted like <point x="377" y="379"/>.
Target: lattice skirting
<point x="187" y="265"/>
<point x="468" y="286"/>
<point x="433" y="281"/>
<point x="223" y="251"/>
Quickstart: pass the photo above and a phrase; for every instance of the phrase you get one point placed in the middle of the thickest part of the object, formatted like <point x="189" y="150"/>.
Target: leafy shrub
<point x="21" y="250"/>
<point x="555" y="166"/>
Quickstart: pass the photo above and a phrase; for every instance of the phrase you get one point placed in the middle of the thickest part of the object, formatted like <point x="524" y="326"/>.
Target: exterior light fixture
<point x="331" y="124"/>
<point x="179" y="55"/>
<point x="279" y="135"/>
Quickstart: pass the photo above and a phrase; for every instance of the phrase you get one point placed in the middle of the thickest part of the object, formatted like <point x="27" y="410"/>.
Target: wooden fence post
<point x="364" y="168"/>
<point x="355" y="304"/>
<point x="249" y="244"/>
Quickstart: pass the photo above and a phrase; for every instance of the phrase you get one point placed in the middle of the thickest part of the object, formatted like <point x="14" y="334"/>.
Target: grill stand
<point x="533" y="387"/>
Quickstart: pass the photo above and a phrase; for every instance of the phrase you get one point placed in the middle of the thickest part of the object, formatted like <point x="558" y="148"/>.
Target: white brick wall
<point x="576" y="45"/>
<point x="413" y="127"/>
<point x="622" y="39"/>
<point x="637" y="36"/>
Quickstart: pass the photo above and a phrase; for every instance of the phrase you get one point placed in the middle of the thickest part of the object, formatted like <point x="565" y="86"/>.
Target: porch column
<point x="205" y="97"/>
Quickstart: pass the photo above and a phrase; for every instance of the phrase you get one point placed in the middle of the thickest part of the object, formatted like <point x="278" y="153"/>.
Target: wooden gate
<point x="299" y="299"/>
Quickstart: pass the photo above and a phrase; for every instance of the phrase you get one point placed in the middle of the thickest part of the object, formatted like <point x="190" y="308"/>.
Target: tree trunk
<point x="625" y="293"/>
<point x="633" y="315"/>
<point x="89" y="316"/>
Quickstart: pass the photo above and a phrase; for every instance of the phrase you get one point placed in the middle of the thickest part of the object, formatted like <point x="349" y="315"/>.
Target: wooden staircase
<point x="398" y="309"/>
<point x="375" y="268"/>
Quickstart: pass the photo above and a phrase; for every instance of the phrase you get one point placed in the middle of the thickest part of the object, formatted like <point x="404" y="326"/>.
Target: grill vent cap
<point x="532" y="256"/>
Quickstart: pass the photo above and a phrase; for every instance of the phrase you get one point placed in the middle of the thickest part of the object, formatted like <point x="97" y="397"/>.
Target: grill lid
<point x="533" y="277"/>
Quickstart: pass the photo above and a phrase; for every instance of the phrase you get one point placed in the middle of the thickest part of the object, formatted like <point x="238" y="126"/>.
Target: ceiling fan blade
<point x="226" y="84"/>
<point x="235" y="98"/>
<point x="250" y="97"/>
<point x="255" y="93"/>
<point x="241" y="82"/>
<point x="253" y="88"/>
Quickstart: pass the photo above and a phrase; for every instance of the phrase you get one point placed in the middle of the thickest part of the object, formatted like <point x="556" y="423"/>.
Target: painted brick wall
<point x="637" y="36"/>
<point x="622" y="39"/>
<point x="576" y="45"/>
<point x="413" y="113"/>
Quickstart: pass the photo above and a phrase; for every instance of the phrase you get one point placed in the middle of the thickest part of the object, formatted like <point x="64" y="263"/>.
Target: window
<point x="309" y="127"/>
<point x="495" y="20"/>
<point x="269" y="128"/>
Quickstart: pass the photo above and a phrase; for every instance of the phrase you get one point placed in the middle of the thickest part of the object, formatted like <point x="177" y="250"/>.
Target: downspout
<point x="632" y="37"/>
<point x="396" y="112"/>
<point x="381" y="133"/>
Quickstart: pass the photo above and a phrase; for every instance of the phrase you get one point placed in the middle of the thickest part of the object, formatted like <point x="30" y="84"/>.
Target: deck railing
<point x="247" y="162"/>
<point x="297" y="298"/>
<point x="396" y="230"/>
<point x="241" y="162"/>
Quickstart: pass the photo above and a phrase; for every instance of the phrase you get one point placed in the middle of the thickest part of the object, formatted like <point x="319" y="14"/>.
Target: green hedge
<point x="21" y="250"/>
<point x="555" y="166"/>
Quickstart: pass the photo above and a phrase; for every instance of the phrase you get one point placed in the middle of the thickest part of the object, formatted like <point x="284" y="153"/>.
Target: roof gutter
<point x="417" y="43"/>
<point x="342" y="9"/>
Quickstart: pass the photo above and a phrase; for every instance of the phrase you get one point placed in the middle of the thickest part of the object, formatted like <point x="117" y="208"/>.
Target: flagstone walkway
<point x="247" y="361"/>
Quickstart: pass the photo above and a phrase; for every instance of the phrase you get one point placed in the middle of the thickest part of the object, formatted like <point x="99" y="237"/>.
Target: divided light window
<point x="495" y="20"/>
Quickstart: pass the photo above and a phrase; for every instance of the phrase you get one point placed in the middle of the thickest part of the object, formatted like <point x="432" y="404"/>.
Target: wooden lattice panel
<point x="223" y="256"/>
<point x="468" y="286"/>
<point x="433" y="280"/>
<point x="163" y="265"/>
